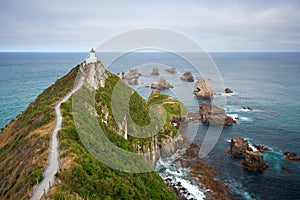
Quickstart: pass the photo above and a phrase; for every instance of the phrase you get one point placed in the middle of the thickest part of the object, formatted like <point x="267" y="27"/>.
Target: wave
<point x="169" y="168"/>
<point x="235" y="116"/>
<point x="241" y="109"/>
<point x="226" y="94"/>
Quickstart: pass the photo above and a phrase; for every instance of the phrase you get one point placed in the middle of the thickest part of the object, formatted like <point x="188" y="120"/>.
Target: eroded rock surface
<point x="155" y="71"/>
<point x="171" y="70"/>
<point x="161" y="84"/>
<point x="291" y="156"/>
<point x="253" y="161"/>
<point x="212" y="114"/>
<point x="187" y="76"/>
<point x="203" y="89"/>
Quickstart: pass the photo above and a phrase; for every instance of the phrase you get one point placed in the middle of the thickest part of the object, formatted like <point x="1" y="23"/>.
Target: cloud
<point x="219" y="25"/>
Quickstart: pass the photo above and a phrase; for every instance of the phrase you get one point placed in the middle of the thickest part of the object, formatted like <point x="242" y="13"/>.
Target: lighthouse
<point x="92" y="57"/>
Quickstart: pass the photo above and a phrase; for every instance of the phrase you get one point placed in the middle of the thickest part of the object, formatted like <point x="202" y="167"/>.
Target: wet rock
<point x="155" y="71"/>
<point x="171" y="70"/>
<point x="291" y="156"/>
<point x="247" y="108"/>
<point x="187" y="76"/>
<point x="212" y="114"/>
<point x="121" y="75"/>
<point x="286" y="170"/>
<point x="228" y="91"/>
<point x="253" y="161"/>
<point x="131" y="74"/>
<point x="133" y="81"/>
<point x="238" y="146"/>
<point x="203" y="89"/>
<point x="261" y="148"/>
<point x="161" y="84"/>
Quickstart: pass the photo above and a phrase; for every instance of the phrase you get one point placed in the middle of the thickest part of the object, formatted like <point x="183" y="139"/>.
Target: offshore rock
<point x="171" y="70"/>
<point x="261" y="148"/>
<point x="253" y="161"/>
<point x="238" y="146"/>
<point x="187" y="76"/>
<point x="291" y="156"/>
<point x="133" y="81"/>
<point x="155" y="71"/>
<point x="212" y="114"/>
<point x="228" y="91"/>
<point x="161" y="84"/>
<point x="131" y="74"/>
<point x="203" y="89"/>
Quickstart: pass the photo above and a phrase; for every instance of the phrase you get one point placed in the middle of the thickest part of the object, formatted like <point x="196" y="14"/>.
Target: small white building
<point x="92" y="57"/>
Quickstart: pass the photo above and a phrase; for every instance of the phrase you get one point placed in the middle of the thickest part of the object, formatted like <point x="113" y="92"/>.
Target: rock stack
<point x="161" y="84"/>
<point x="187" y="76"/>
<point x="203" y="89"/>
<point x="212" y="114"/>
<point x="253" y="160"/>
<point x="155" y="71"/>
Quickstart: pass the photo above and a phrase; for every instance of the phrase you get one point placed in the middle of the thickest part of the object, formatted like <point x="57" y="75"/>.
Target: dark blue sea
<point x="266" y="82"/>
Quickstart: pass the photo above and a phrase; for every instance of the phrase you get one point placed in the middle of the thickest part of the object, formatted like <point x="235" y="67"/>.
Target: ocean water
<point x="23" y="76"/>
<point x="266" y="82"/>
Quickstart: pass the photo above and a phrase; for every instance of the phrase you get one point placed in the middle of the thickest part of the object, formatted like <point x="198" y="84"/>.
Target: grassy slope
<point x="25" y="141"/>
<point x="84" y="177"/>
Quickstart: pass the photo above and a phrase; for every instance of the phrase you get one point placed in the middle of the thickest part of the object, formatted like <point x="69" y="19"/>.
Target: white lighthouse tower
<point x="92" y="57"/>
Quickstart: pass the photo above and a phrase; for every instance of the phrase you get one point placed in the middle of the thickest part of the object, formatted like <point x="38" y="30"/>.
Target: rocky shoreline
<point x="202" y="174"/>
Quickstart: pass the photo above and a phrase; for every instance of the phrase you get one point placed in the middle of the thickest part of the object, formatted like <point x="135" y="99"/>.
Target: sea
<point x="268" y="83"/>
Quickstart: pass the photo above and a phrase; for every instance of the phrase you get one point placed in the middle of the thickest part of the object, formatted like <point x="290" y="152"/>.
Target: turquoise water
<point x="25" y="75"/>
<point x="267" y="82"/>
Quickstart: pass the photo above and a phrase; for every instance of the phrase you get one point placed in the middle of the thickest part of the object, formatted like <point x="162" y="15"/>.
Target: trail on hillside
<point x="53" y="161"/>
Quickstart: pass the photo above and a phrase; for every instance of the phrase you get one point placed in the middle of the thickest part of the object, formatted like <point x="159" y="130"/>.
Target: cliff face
<point x="24" y="144"/>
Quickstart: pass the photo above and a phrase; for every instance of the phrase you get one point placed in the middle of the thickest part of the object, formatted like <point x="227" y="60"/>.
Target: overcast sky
<point x="74" y="25"/>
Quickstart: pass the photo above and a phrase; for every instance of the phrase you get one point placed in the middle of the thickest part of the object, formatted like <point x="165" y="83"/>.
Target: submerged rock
<point x="286" y="170"/>
<point x="161" y="84"/>
<point x="155" y="71"/>
<point x="238" y="146"/>
<point x="253" y="161"/>
<point x="261" y="148"/>
<point x="203" y="89"/>
<point x="291" y="156"/>
<point x="212" y="114"/>
<point x="228" y="91"/>
<point x="247" y="108"/>
<point x="171" y="70"/>
<point x="187" y="76"/>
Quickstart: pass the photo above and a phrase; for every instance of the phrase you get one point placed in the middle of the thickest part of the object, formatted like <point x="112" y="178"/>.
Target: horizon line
<point x="229" y="51"/>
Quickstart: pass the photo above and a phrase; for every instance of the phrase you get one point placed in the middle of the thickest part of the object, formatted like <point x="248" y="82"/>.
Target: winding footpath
<point x="53" y="162"/>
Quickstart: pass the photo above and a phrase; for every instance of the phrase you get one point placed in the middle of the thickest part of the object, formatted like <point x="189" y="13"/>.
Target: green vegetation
<point x="25" y="141"/>
<point x="88" y="178"/>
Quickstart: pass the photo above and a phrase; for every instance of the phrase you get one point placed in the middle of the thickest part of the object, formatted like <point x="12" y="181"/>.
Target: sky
<point x="77" y="25"/>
